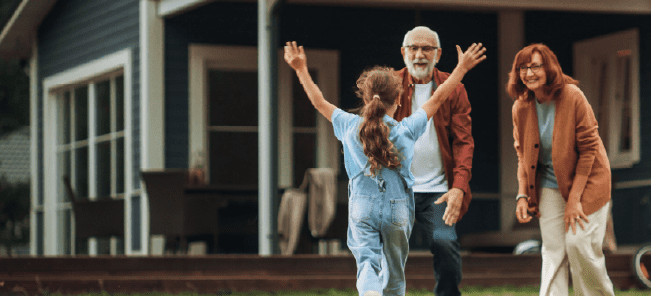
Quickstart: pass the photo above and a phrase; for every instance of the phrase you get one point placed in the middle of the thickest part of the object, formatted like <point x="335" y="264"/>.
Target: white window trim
<point x="82" y="74"/>
<point x="205" y="57"/>
<point x="610" y="44"/>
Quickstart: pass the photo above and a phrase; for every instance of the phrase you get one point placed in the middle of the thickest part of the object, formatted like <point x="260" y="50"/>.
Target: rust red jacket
<point x="578" y="154"/>
<point x="453" y="128"/>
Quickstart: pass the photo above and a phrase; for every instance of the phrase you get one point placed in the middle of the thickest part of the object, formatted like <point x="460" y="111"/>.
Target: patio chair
<point x="176" y="215"/>
<point x="100" y="218"/>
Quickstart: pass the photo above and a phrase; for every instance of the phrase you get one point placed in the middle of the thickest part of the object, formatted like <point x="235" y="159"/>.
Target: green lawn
<point x="468" y="291"/>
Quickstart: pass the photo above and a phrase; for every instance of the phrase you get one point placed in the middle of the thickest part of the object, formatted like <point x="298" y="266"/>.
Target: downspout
<point x="267" y="125"/>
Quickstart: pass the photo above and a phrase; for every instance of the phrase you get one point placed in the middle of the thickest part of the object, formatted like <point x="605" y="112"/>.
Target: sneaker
<point x="372" y="293"/>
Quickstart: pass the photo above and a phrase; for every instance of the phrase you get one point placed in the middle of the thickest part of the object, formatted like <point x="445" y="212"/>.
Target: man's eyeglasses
<point x="425" y="49"/>
<point x="534" y="68"/>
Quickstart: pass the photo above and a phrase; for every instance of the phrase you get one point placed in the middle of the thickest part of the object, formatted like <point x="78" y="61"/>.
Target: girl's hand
<point x="521" y="211"/>
<point x="573" y="214"/>
<point x="473" y="56"/>
<point x="295" y="56"/>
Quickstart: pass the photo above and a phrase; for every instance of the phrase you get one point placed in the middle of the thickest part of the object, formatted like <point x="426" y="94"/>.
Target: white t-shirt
<point x="427" y="165"/>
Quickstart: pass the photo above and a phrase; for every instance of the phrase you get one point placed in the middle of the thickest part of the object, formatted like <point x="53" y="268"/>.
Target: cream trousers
<point x="579" y="253"/>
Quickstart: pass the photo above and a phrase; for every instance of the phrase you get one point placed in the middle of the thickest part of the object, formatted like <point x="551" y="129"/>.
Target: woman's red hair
<point x="556" y="80"/>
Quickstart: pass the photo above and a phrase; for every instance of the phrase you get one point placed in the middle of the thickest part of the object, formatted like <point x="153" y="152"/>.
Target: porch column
<point x="267" y="128"/>
<point x="152" y="122"/>
<point x="511" y="40"/>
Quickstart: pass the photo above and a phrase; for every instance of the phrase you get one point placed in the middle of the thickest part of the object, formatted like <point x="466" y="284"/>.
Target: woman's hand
<point x="295" y="56"/>
<point x="473" y="56"/>
<point x="521" y="211"/>
<point x="573" y="214"/>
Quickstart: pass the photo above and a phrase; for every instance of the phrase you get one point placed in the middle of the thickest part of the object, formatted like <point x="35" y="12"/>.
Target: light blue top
<point x="403" y="135"/>
<point x="546" y="114"/>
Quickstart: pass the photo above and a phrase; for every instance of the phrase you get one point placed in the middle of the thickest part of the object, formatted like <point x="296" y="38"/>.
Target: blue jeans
<point x="442" y="242"/>
<point x="380" y="220"/>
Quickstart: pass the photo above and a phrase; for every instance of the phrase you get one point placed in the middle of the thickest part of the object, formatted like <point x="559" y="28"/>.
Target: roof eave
<point x="17" y="35"/>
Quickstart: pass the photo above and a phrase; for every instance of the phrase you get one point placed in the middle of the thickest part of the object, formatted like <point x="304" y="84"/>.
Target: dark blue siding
<point x="80" y="31"/>
<point x="559" y="32"/>
<point x="176" y="97"/>
<point x="136" y="235"/>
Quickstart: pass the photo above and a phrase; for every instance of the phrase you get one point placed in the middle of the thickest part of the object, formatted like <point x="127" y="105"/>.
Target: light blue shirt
<point x="403" y="135"/>
<point x="546" y="114"/>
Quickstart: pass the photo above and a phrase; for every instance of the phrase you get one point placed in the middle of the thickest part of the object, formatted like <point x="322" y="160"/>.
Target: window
<point x="607" y="68"/>
<point x="224" y="122"/>
<point x="87" y="138"/>
<point x="91" y="143"/>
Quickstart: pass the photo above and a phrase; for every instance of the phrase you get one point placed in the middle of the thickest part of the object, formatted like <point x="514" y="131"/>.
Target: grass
<point x="466" y="291"/>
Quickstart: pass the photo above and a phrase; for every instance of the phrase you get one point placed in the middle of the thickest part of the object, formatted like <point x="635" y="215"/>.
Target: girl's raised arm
<point x="467" y="60"/>
<point x="295" y="57"/>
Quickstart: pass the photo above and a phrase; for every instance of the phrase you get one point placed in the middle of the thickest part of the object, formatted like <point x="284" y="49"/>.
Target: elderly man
<point x="442" y="156"/>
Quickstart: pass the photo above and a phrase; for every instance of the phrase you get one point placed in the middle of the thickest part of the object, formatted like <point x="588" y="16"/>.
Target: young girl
<point x="378" y="152"/>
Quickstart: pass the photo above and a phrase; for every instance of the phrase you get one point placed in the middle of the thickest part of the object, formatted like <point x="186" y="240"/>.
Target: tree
<point x="14" y="113"/>
<point x="14" y="210"/>
<point x="14" y="83"/>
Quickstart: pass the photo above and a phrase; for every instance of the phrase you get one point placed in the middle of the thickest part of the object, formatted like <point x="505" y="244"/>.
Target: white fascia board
<point x="172" y="7"/>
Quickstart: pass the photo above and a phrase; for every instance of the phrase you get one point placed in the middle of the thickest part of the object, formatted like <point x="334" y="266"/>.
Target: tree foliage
<point x="14" y="113"/>
<point x="14" y="83"/>
<point x="14" y="211"/>
<point x="14" y="96"/>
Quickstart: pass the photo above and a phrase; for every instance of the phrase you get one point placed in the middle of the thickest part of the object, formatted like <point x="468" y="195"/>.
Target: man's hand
<point x="295" y="56"/>
<point x="454" y="197"/>
<point x="473" y="56"/>
<point x="573" y="214"/>
<point x="521" y="211"/>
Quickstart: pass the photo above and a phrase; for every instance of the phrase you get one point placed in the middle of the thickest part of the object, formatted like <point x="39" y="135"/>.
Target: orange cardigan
<point x="454" y="131"/>
<point x="578" y="154"/>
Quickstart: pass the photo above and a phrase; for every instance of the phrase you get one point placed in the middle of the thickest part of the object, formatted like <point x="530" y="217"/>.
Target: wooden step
<point x="223" y="273"/>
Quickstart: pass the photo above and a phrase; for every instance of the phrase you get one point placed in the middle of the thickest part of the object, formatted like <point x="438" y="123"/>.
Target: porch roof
<point x="172" y="7"/>
<point x="17" y="34"/>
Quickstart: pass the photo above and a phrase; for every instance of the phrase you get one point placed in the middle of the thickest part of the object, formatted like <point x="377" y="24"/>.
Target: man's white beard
<point x="420" y="73"/>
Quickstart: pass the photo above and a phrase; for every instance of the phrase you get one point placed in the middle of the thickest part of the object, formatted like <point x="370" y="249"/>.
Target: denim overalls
<point x="381" y="208"/>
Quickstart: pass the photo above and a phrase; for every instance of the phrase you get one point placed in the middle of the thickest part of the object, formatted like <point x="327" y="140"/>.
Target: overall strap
<point x="380" y="180"/>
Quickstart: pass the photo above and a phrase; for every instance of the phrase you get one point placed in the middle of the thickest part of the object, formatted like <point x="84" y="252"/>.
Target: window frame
<point x="609" y="46"/>
<point x="202" y="58"/>
<point x="89" y="73"/>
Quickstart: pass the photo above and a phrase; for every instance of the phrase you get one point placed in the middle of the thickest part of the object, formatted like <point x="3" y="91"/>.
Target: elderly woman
<point x="563" y="173"/>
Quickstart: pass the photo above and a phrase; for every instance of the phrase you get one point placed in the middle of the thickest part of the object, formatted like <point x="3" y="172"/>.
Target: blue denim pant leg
<point x="379" y="226"/>
<point x="396" y="231"/>
<point x="364" y="239"/>
<point x="442" y="243"/>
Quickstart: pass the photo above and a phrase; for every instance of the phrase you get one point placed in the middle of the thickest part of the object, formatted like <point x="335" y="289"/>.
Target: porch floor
<point x="224" y="273"/>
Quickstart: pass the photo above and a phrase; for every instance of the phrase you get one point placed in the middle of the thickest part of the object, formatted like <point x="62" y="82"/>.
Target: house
<point x="122" y="86"/>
